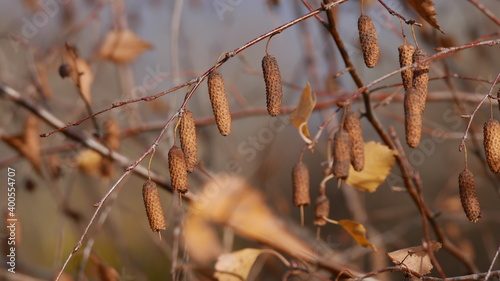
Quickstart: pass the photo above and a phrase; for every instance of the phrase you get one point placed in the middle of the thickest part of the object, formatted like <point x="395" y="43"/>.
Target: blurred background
<point x="176" y="41"/>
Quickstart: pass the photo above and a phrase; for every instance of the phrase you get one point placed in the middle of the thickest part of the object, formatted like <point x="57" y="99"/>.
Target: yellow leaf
<point x="358" y="232"/>
<point x="201" y="240"/>
<point x="89" y="161"/>
<point x="231" y="201"/>
<point x="379" y="160"/>
<point x="236" y="266"/>
<point x="415" y="258"/>
<point x="304" y="109"/>
<point x="425" y="8"/>
<point x="123" y="46"/>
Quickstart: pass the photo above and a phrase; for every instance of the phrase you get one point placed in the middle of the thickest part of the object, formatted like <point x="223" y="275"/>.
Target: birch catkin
<point x="220" y="105"/>
<point x="405" y="59"/>
<point x="368" y="40"/>
<point x="352" y="126"/>
<point x="413" y="118"/>
<point x="154" y="211"/>
<point x="322" y="210"/>
<point x="272" y="78"/>
<point x="468" y="196"/>
<point x="300" y="180"/>
<point x="177" y="169"/>
<point x="421" y="77"/>
<point x="187" y="136"/>
<point x="491" y="143"/>
<point x="341" y="154"/>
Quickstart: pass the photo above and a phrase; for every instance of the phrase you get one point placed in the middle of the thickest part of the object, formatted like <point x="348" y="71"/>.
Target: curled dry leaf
<point x="415" y="258"/>
<point x="379" y="160"/>
<point x="358" y="232"/>
<point x="123" y="46"/>
<point x="82" y="75"/>
<point x="231" y="201"/>
<point x="425" y="8"/>
<point x="236" y="266"/>
<point x="304" y="109"/>
<point x="27" y="143"/>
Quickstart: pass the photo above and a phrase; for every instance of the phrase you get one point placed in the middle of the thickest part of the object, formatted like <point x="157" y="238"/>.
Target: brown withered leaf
<point x="82" y="74"/>
<point x="28" y="143"/>
<point x="123" y="46"/>
<point x="231" y="201"/>
<point x="358" y="232"/>
<point x="415" y="258"/>
<point x="89" y="162"/>
<point x="201" y="240"/>
<point x="425" y="8"/>
<point x="304" y="109"/>
<point x="236" y="266"/>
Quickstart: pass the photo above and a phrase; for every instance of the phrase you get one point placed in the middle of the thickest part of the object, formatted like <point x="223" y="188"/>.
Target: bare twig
<point x="394" y="13"/>
<point x="485" y="11"/>
<point x="471" y="116"/>
<point x="491" y="265"/>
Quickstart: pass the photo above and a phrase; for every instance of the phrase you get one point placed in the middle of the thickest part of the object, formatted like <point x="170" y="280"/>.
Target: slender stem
<point x="471" y="116"/>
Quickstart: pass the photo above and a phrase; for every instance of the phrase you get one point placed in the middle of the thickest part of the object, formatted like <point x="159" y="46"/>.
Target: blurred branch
<point x="485" y="11"/>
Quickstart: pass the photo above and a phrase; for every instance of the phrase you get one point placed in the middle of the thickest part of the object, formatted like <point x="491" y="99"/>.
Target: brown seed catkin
<point x="322" y="210"/>
<point x="468" y="196"/>
<point x="300" y="181"/>
<point x="272" y="78"/>
<point x="413" y="118"/>
<point x="220" y="105"/>
<point x="368" y="40"/>
<point x="491" y="143"/>
<point x="177" y="169"/>
<point x="421" y="76"/>
<point x="405" y="59"/>
<point x="341" y="154"/>
<point x="187" y="136"/>
<point x="352" y="126"/>
<point x="152" y="203"/>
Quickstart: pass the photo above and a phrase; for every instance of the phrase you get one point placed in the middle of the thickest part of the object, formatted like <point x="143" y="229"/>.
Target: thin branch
<point x="471" y="116"/>
<point x="492" y="263"/>
<point x="485" y="11"/>
<point x="394" y="13"/>
<point x="199" y="79"/>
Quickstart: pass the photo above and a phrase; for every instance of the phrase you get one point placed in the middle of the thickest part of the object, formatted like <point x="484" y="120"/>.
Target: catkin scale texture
<point x="405" y="59"/>
<point x="341" y="154"/>
<point x="177" y="169"/>
<point x="272" y="78"/>
<point x="413" y="118"/>
<point x="154" y="211"/>
<point x="220" y="105"/>
<point x="468" y="196"/>
<point x="368" y="40"/>
<point x="300" y="181"/>
<point x="421" y="76"/>
<point x="322" y="210"/>
<point x="187" y="136"/>
<point x="352" y="126"/>
<point x="491" y="143"/>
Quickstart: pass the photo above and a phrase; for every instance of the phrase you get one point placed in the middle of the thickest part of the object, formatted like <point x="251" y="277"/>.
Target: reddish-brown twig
<point x="485" y="11"/>
<point x="471" y="116"/>
<point x="394" y="13"/>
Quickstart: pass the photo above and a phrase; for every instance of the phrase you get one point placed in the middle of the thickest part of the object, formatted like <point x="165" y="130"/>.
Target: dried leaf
<point x="358" y="232"/>
<point x="425" y="8"/>
<point x="304" y="109"/>
<point x="123" y="46"/>
<point x="89" y="162"/>
<point x="82" y="74"/>
<point x="231" y="201"/>
<point x="201" y="240"/>
<point x="415" y="258"/>
<point x="236" y="266"/>
<point x="379" y="160"/>
<point x="28" y="143"/>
